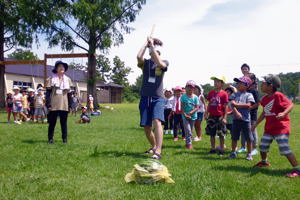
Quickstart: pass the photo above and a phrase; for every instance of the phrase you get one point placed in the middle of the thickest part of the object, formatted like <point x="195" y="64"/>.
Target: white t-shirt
<point x="169" y="103"/>
<point x="201" y="105"/>
<point x="17" y="98"/>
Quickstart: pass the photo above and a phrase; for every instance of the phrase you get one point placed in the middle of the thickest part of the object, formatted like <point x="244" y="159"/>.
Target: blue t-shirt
<point x="243" y="98"/>
<point x="152" y="85"/>
<point x="189" y="104"/>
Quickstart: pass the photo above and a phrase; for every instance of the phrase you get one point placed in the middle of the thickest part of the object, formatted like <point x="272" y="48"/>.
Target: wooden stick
<point x="152" y="30"/>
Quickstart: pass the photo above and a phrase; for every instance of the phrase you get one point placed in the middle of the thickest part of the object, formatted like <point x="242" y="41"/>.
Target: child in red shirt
<point x="216" y="114"/>
<point x="276" y="108"/>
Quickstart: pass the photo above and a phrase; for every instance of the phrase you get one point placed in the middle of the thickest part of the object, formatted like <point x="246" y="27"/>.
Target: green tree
<point x="103" y="68"/>
<point x="90" y="25"/>
<point x="77" y="66"/>
<point x="20" y="54"/>
<point x="18" y="25"/>
<point x="120" y="72"/>
<point x="136" y="87"/>
<point x="207" y="87"/>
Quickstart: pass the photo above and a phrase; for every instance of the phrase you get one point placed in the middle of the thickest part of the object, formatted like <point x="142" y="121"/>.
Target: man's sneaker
<point x="212" y="151"/>
<point x="196" y="139"/>
<point x="65" y="141"/>
<point x="50" y="141"/>
<point x="166" y="132"/>
<point x="189" y="146"/>
<point x="262" y="164"/>
<point x="233" y="155"/>
<point x="242" y="150"/>
<point x="254" y="152"/>
<point x="28" y="120"/>
<point x="17" y="122"/>
<point x="221" y="153"/>
<point x="175" y="139"/>
<point x="171" y="132"/>
<point x="294" y="173"/>
<point x="183" y="138"/>
<point x="249" y="157"/>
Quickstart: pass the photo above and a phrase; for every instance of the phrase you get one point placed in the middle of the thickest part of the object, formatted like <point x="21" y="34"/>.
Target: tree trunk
<point x="2" y="67"/>
<point x="91" y="79"/>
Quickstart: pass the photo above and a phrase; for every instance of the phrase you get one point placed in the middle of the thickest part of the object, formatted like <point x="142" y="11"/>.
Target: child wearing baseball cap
<point x="276" y="109"/>
<point x="216" y="114"/>
<point x="190" y="106"/>
<point x="241" y="102"/>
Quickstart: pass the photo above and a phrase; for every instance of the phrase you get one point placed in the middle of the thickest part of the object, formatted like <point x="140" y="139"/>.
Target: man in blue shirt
<point x="152" y="99"/>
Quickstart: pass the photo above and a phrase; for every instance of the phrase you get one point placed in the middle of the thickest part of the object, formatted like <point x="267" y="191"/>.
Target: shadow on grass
<point x="253" y="171"/>
<point x="173" y="146"/>
<point x="34" y="141"/>
<point x="117" y="154"/>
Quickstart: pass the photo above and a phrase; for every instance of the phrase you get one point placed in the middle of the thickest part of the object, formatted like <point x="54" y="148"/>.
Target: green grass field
<point x="32" y="169"/>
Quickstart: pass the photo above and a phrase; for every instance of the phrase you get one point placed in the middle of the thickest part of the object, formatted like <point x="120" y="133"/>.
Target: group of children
<point x="29" y="105"/>
<point x="26" y="105"/>
<point x="234" y="110"/>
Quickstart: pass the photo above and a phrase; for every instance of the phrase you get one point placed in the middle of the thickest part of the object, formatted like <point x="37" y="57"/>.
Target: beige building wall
<point x="10" y="78"/>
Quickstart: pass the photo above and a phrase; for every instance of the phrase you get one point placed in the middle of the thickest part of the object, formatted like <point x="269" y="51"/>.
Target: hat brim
<point x="190" y="85"/>
<point x="216" y="79"/>
<point x="66" y="66"/>
<point x="237" y="80"/>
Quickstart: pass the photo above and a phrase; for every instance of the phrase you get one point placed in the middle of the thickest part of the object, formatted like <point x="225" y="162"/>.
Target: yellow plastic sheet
<point x="150" y="171"/>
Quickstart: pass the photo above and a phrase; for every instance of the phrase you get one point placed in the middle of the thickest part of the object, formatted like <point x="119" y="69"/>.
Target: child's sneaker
<point x="8" y="121"/>
<point x="166" y="132"/>
<point x="175" y="139"/>
<point x="171" y="132"/>
<point x="262" y="164"/>
<point x="233" y="155"/>
<point x="212" y="151"/>
<point x="196" y="139"/>
<point x="17" y="122"/>
<point x="294" y="173"/>
<point x="189" y="146"/>
<point x="221" y="153"/>
<point x="254" y="152"/>
<point x="183" y="138"/>
<point x="242" y="150"/>
<point x="249" y="157"/>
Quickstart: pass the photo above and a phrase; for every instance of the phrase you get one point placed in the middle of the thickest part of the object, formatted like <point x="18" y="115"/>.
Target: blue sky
<point x="204" y="38"/>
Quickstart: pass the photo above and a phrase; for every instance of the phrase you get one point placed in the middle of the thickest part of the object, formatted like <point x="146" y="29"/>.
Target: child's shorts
<point x="215" y="126"/>
<point x="85" y="119"/>
<point x="39" y="112"/>
<point x="241" y="127"/>
<point x="151" y="108"/>
<point x="200" y="116"/>
<point x="229" y="128"/>
<point x="9" y="110"/>
<point x="31" y="111"/>
<point x="282" y="141"/>
<point x="17" y="109"/>
<point x="25" y="111"/>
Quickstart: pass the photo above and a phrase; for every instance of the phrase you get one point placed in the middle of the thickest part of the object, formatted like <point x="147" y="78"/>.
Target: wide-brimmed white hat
<point x="16" y="88"/>
<point x="30" y="90"/>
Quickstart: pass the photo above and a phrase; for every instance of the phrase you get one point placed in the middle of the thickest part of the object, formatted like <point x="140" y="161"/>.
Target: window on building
<point x="22" y="85"/>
